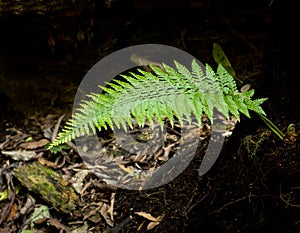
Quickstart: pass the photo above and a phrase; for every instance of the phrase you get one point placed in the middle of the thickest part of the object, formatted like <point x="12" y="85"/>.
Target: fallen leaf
<point x="40" y="213"/>
<point x="13" y="212"/>
<point x="154" y="221"/>
<point x="29" y="203"/>
<point x="148" y="216"/>
<point x="104" y="213"/>
<point x="141" y="226"/>
<point x="111" y="208"/>
<point x="34" y="144"/>
<point x="151" y="225"/>
<point x="46" y="162"/>
<point x="20" y="154"/>
<point x="78" y="178"/>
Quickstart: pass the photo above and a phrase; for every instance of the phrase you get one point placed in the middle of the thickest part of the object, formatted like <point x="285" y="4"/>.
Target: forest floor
<point x="254" y="185"/>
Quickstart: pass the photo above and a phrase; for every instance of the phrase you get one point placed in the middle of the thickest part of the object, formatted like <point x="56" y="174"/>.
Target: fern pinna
<point x="164" y="93"/>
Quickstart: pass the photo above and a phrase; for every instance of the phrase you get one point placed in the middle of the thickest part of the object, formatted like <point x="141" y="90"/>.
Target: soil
<point x="254" y="185"/>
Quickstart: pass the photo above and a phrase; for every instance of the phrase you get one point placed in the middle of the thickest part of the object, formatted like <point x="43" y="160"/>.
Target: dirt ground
<point x="254" y="185"/>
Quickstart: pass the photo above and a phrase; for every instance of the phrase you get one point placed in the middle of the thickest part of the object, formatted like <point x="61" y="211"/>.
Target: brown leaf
<point x="18" y="155"/>
<point x="141" y="226"/>
<point x="29" y="203"/>
<point x="104" y="213"/>
<point x="154" y="221"/>
<point x="148" y="216"/>
<point x="40" y="221"/>
<point x="34" y="144"/>
<point x="151" y="225"/>
<point x="110" y="210"/>
<point x="13" y="212"/>
<point x="46" y="162"/>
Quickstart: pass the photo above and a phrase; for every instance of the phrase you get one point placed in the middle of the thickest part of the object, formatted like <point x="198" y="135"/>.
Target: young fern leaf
<point x="221" y="58"/>
<point x="166" y="93"/>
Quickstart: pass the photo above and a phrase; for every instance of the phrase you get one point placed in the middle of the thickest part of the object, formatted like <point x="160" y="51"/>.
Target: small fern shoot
<point x="165" y="93"/>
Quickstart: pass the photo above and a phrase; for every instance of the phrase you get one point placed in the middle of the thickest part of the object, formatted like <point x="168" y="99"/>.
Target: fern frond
<point x="164" y="93"/>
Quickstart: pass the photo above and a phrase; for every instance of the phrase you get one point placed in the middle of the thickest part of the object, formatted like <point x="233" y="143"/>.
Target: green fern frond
<point x="164" y="93"/>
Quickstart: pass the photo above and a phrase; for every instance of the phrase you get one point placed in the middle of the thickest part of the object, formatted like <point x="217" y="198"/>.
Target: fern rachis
<point x="164" y="93"/>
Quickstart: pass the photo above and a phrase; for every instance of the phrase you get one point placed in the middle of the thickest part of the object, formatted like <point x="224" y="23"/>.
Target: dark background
<point x="27" y="30"/>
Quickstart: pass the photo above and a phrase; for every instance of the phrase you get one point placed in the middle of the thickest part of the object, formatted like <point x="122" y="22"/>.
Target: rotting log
<point x="49" y="185"/>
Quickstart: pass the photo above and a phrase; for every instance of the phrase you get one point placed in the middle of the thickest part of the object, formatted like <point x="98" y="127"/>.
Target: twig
<point x="239" y="200"/>
<point x="56" y="128"/>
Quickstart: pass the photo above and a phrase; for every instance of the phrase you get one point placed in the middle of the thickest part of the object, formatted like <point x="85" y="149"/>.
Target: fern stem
<point x="272" y="126"/>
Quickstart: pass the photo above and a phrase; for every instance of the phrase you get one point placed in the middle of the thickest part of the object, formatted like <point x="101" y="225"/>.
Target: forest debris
<point x="40" y="215"/>
<point x="55" y="222"/>
<point x="13" y="139"/>
<point x="167" y="149"/>
<point x="154" y="220"/>
<point x="29" y="203"/>
<point x="81" y="229"/>
<point x="56" y="128"/>
<point x="6" y="141"/>
<point x="105" y="213"/>
<point x="93" y="214"/>
<point x="47" y="124"/>
<point x="12" y="213"/>
<point x="147" y="216"/>
<point x="34" y="144"/>
<point x="48" y="163"/>
<point x="151" y="225"/>
<point x="110" y="210"/>
<point x="78" y="178"/>
<point x="6" y="210"/>
<point x="22" y="155"/>
<point x="104" y="210"/>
